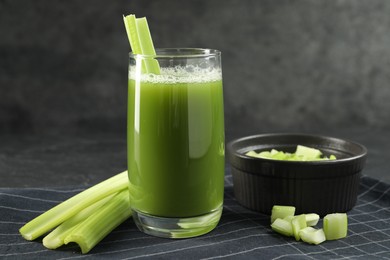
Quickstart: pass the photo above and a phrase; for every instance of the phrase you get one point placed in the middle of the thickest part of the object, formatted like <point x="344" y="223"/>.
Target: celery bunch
<point x="90" y="215"/>
<point x="85" y="218"/>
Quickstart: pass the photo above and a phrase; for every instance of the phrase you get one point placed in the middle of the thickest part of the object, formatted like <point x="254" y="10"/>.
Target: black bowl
<point x="320" y="187"/>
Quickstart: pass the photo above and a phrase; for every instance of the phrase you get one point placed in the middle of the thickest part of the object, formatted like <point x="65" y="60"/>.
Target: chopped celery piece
<point x="312" y="219"/>
<point x="282" y="227"/>
<point x="92" y="230"/>
<point x="307" y="152"/>
<point x="335" y="226"/>
<point x="60" y="213"/>
<point x="252" y="153"/>
<point x="289" y="218"/>
<point x="302" y="153"/>
<point x="312" y="236"/>
<point x="298" y="223"/>
<point x="141" y="42"/>
<point x="56" y="237"/>
<point x="279" y="211"/>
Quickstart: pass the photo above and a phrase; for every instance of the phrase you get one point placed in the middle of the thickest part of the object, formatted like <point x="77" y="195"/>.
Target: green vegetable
<point x="141" y="41"/>
<point x="283" y="221"/>
<point x="80" y="217"/>
<point x="335" y="226"/>
<point x="101" y="222"/>
<point x="56" y="237"/>
<point x="302" y="153"/>
<point x="312" y="236"/>
<point x="282" y="226"/>
<point x="281" y="212"/>
<point x="298" y="223"/>
<point x="312" y="219"/>
<point x="289" y="218"/>
<point x="89" y="216"/>
<point x="307" y="152"/>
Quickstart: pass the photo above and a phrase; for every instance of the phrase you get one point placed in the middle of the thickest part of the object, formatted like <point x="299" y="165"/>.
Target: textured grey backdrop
<point x="297" y="65"/>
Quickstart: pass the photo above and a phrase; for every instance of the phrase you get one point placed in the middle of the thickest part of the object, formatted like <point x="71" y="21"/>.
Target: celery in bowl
<point x="320" y="186"/>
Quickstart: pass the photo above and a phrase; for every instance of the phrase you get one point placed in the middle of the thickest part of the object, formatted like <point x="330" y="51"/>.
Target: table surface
<point x="53" y="160"/>
<point x="241" y="233"/>
<point x="37" y="172"/>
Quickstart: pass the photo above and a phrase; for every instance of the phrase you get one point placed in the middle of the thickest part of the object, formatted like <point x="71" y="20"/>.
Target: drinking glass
<point x="175" y="141"/>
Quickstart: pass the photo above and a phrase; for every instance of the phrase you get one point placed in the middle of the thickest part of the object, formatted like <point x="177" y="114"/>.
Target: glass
<point x="175" y="139"/>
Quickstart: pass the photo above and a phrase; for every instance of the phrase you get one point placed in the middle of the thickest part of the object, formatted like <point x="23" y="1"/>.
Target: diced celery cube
<point x="252" y="153"/>
<point x="312" y="236"/>
<point x="279" y="211"/>
<point x="298" y="223"/>
<point x="312" y="219"/>
<point x="289" y="218"/>
<point x="308" y="152"/>
<point x="335" y="226"/>
<point x="282" y="227"/>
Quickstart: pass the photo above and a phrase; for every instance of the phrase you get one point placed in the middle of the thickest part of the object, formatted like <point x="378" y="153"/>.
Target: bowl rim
<point x="242" y="156"/>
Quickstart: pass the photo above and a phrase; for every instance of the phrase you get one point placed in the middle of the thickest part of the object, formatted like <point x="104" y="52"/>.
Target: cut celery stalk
<point x="312" y="236"/>
<point x="252" y="154"/>
<point x="289" y="218"/>
<point x="307" y="152"/>
<point x="279" y="211"/>
<point x="283" y="227"/>
<point x="312" y="219"/>
<point x="92" y="230"/>
<point x="302" y="153"/>
<point x="298" y="223"/>
<point x="141" y="42"/>
<point x="132" y="33"/>
<point x="58" y="214"/>
<point x="335" y="226"/>
<point x="56" y="237"/>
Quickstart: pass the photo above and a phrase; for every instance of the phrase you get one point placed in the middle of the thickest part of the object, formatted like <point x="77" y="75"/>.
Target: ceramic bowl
<point x="320" y="187"/>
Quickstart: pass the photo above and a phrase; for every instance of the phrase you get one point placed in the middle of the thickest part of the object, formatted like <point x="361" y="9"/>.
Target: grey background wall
<point x="288" y="65"/>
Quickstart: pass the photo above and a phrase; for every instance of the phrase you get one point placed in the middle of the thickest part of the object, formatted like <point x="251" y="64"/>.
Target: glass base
<point x="177" y="227"/>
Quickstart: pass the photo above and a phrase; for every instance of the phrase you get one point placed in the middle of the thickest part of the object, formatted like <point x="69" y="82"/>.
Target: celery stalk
<point x="58" y="214"/>
<point x="132" y="33"/>
<point x="141" y="42"/>
<point x="92" y="230"/>
<point x="56" y="237"/>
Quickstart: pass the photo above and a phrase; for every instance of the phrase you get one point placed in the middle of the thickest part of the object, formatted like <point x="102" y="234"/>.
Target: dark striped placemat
<point x="241" y="233"/>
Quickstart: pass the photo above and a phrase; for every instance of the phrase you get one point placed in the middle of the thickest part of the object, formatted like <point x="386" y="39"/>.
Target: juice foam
<point x="179" y="74"/>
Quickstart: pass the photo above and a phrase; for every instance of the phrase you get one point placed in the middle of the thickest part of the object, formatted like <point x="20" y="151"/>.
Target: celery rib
<point x="141" y="41"/>
<point x="92" y="230"/>
<point x="56" y="237"/>
<point x="58" y="214"/>
<point x="132" y="33"/>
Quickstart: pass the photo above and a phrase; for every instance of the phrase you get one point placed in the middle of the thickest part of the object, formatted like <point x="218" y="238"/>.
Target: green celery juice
<point x="176" y="143"/>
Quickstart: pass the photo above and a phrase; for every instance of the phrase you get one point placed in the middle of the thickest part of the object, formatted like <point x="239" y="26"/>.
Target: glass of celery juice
<point x="175" y="136"/>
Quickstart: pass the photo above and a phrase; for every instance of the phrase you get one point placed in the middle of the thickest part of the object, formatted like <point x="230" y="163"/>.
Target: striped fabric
<point x="241" y="233"/>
